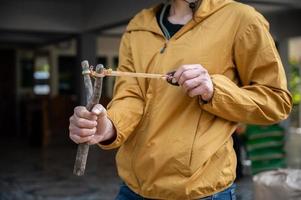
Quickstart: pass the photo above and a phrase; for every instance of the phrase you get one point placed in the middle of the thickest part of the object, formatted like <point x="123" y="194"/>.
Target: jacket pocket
<point x="185" y="153"/>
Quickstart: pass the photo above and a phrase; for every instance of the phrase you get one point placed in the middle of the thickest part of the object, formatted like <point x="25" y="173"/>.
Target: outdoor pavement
<point x="46" y="174"/>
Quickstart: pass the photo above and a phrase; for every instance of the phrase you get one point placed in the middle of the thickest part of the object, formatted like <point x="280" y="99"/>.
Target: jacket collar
<point x="146" y="19"/>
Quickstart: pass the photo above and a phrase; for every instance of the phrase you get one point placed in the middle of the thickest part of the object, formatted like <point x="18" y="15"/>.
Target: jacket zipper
<point x="164" y="29"/>
<point x="164" y="47"/>
<point x="167" y="37"/>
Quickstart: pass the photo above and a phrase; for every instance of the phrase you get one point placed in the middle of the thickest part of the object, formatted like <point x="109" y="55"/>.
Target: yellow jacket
<point x="171" y="146"/>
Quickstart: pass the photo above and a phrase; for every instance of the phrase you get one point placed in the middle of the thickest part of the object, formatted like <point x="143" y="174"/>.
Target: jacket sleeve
<point x="262" y="97"/>
<point x="127" y="106"/>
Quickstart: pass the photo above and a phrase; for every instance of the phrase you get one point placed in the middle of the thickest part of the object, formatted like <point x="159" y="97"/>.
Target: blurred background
<point x="42" y="43"/>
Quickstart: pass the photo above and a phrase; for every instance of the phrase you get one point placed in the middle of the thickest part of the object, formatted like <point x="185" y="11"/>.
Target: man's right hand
<point x="91" y="127"/>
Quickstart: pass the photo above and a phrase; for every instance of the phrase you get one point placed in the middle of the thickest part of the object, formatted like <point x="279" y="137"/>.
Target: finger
<point x="96" y="139"/>
<point x="202" y="91"/>
<point x="82" y="112"/>
<point x="207" y="92"/>
<point x="197" y="91"/>
<point x="192" y="83"/>
<point x="82" y="122"/>
<point x="189" y="74"/>
<point x="82" y="132"/>
<point x="181" y="70"/>
<point x="86" y="132"/>
<point x="77" y="139"/>
<point x="99" y="110"/>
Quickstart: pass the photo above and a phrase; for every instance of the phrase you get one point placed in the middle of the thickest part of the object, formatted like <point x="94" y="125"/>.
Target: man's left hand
<point x="195" y="80"/>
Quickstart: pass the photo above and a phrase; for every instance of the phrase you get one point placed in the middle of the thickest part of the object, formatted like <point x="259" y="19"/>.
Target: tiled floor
<point x="36" y="174"/>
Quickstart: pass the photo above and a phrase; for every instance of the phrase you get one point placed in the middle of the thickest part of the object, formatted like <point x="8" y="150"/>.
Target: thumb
<point x="99" y="110"/>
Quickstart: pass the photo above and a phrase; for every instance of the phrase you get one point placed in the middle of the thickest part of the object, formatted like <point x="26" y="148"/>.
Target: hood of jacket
<point x="146" y="19"/>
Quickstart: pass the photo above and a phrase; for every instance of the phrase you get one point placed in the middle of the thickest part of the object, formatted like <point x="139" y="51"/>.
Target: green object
<point x="265" y="147"/>
<point x="295" y="82"/>
<point x="256" y="131"/>
<point x="265" y="142"/>
<point x="259" y="166"/>
<point x="266" y="153"/>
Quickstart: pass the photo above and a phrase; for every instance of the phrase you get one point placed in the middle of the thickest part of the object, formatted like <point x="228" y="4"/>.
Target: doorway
<point x="8" y="92"/>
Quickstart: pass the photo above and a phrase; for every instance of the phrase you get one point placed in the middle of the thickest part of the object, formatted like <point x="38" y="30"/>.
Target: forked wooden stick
<point x="93" y="98"/>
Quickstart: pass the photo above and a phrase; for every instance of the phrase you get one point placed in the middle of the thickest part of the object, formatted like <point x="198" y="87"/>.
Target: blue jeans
<point x="125" y="193"/>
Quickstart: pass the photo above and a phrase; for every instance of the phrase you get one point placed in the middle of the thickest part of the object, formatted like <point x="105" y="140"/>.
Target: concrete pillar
<point x="284" y="54"/>
<point x="86" y="50"/>
<point x="283" y="48"/>
<point x="54" y="71"/>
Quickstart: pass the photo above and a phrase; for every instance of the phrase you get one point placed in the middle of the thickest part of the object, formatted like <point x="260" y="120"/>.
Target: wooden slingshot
<point x="93" y="97"/>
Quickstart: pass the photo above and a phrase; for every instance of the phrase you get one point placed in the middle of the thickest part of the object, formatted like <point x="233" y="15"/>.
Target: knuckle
<point x="185" y="67"/>
<point x="83" y="123"/>
<point x="186" y="85"/>
<point x="81" y="133"/>
<point x="71" y="119"/>
<point x="70" y="129"/>
<point x="99" y="106"/>
<point x="203" y="81"/>
<point x="91" y="131"/>
<point x="76" y="109"/>
<point x="200" y="66"/>
<point x="74" y="139"/>
<point x="197" y="81"/>
<point x="78" y="141"/>
<point x="89" y="139"/>
<point x="80" y="122"/>
<point x="79" y="109"/>
<point x="185" y="75"/>
<point x="207" y="86"/>
<point x="75" y="132"/>
<point x="82" y="140"/>
<point x="180" y="81"/>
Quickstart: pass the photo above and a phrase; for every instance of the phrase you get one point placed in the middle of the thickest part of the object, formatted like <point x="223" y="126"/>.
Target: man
<point x="175" y="142"/>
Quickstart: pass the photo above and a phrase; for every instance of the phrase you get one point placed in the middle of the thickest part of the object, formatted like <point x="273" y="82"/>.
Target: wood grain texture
<point x="92" y="98"/>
